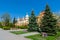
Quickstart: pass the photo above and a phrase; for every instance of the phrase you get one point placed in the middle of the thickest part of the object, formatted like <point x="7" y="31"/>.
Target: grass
<point x="38" y="37"/>
<point x="18" y="32"/>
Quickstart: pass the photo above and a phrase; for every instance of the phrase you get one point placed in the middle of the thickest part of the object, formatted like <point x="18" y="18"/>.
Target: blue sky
<point x="18" y="8"/>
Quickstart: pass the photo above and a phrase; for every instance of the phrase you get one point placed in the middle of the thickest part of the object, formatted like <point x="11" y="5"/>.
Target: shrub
<point x="6" y="28"/>
<point x="1" y="26"/>
<point x="22" y="27"/>
<point x="17" y="26"/>
<point x="11" y="25"/>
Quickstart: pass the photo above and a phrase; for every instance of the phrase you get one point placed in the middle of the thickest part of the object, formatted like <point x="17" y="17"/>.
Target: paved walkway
<point x="6" y="35"/>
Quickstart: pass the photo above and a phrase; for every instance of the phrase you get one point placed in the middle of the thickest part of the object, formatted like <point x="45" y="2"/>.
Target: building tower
<point x="27" y="18"/>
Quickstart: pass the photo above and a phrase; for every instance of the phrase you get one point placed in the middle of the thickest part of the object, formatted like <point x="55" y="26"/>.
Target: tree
<point x="14" y="21"/>
<point x="6" y="19"/>
<point x="32" y="22"/>
<point x="48" y="24"/>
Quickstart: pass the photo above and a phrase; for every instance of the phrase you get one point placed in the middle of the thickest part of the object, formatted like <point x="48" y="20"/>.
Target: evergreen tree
<point x="48" y="24"/>
<point x="14" y="21"/>
<point x="32" y="22"/>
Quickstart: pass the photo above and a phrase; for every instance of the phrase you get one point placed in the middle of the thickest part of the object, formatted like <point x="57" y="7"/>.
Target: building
<point x="23" y="21"/>
<point x="39" y="17"/>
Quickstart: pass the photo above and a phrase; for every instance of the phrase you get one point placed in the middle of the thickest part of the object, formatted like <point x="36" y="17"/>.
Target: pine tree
<point x="14" y="21"/>
<point x="32" y="22"/>
<point x="48" y="24"/>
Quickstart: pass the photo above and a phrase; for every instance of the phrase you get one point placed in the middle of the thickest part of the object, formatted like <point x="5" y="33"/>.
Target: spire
<point x="27" y="16"/>
<point x="26" y="13"/>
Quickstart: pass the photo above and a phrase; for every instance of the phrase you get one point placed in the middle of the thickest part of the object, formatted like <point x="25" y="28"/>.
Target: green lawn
<point x="38" y="37"/>
<point x="18" y="32"/>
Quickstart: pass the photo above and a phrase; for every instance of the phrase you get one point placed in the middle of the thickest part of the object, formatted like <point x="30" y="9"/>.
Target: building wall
<point x="39" y="17"/>
<point x="22" y="21"/>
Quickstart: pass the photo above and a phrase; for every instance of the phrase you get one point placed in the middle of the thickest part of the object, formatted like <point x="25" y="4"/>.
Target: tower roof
<point x="27" y="15"/>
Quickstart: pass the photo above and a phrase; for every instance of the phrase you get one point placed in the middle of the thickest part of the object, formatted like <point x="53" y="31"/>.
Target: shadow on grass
<point x="39" y="37"/>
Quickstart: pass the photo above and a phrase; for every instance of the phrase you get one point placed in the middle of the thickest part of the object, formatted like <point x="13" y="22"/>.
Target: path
<point x="26" y="34"/>
<point x="5" y="35"/>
